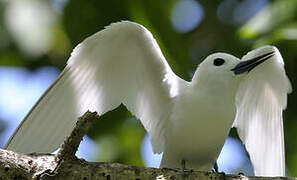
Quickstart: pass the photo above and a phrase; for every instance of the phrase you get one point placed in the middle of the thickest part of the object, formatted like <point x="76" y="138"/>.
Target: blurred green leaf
<point x="269" y="19"/>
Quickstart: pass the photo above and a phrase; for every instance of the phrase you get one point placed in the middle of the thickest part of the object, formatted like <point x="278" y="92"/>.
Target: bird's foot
<point x="215" y="169"/>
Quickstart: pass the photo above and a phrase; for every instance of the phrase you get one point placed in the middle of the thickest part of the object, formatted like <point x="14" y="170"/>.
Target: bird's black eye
<point x="218" y="62"/>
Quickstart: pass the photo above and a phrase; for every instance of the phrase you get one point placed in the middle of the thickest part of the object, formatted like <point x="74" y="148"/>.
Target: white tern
<point x="187" y="121"/>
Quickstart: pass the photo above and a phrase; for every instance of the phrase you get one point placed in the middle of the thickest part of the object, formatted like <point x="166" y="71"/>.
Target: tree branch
<point x="65" y="165"/>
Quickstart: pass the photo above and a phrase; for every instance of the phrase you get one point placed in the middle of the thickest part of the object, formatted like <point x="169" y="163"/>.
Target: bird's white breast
<point x="199" y="126"/>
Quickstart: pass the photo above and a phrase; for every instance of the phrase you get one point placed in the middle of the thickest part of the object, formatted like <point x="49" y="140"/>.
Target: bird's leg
<point x="215" y="168"/>
<point x="183" y="164"/>
<point x="184" y="170"/>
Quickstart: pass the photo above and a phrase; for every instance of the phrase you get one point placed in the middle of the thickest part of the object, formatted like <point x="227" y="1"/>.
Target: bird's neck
<point x="214" y="93"/>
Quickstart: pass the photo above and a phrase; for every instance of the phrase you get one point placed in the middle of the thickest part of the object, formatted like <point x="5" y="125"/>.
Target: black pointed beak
<point x="248" y="65"/>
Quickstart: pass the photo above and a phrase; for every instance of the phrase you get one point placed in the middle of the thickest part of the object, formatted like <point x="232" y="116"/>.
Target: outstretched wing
<point x="120" y="64"/>
<point x="260" y="101"/>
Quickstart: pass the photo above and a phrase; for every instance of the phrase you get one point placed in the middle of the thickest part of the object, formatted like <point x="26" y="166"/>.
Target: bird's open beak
<point x="248" y="65"/>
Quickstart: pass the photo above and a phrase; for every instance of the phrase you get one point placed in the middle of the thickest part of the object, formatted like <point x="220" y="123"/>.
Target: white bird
<point x="187" y="121"/>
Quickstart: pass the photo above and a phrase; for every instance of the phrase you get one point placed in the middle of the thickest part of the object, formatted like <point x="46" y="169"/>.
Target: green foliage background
<point x="118" y="134"/>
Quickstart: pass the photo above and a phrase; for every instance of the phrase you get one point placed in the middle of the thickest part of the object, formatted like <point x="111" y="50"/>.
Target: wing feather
<point x="121" y="64"/>
<point x="260" y="101"/>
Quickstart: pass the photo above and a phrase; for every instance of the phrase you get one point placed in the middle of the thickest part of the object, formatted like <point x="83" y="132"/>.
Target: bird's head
<point x="222" y="71"/>
<point x="215" y="72"/>
<point x="256" y="58"/>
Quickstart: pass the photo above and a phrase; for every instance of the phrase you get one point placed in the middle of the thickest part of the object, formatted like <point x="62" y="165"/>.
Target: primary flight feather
<point x="188" y="121"/>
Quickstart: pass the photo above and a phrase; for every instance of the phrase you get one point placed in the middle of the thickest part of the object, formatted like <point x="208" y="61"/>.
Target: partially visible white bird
<point x="185" y="120"/>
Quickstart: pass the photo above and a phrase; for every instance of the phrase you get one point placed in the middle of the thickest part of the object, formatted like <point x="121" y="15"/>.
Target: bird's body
<point x="189" y="136"/>
<point x="185" y="120"/>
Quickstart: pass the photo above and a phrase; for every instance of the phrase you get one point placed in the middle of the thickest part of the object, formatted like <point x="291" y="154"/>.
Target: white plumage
<point x="185" y="120"/>
<point x="260" y="101"/>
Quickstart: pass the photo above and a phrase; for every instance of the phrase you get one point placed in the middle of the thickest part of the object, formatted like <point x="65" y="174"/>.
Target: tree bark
<point x="64" y="165"/>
